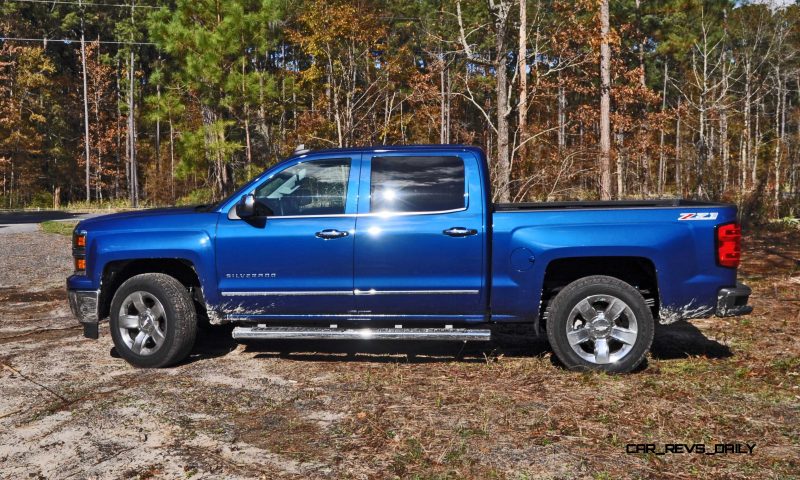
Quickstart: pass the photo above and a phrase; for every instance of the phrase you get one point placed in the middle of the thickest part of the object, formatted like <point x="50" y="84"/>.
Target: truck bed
<point x="610" y="204"/>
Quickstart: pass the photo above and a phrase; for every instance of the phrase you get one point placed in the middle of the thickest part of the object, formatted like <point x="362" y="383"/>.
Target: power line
<point x="62" y="2"/>
<point x="67" y="41"/>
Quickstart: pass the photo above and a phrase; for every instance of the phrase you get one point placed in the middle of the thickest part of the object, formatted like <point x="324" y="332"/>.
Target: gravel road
<point x="69" y="408"/>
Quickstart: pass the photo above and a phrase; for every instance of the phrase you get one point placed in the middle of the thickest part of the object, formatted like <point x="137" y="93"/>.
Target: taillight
<point x="79" y="250"/>
<point x="729" y="245"/>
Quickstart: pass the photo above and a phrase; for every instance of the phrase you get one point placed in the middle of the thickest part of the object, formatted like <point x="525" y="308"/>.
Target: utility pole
<point x="85" y="103"/>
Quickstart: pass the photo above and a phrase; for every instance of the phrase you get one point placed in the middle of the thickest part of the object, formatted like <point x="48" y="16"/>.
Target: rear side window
<point x="416" y="184"/>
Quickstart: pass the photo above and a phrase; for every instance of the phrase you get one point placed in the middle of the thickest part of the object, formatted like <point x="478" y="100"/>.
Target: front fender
<point x="195" y="247"/>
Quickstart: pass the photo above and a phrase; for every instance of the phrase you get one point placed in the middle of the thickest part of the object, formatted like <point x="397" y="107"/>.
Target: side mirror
<point x="248" y="208"/>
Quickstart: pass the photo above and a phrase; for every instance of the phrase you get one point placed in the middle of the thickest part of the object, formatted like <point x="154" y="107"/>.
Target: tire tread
<point x="183" y="323"/>
<point x="563" y="301"/>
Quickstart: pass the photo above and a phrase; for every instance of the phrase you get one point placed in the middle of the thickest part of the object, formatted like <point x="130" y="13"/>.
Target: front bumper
<point x="84" y="305"/>
<point x="732" y="302"/>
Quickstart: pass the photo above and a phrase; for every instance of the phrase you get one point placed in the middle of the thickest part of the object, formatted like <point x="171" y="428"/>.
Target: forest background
<point x="178" y="102"/>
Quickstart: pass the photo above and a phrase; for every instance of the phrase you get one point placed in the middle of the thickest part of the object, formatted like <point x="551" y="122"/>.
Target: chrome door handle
<point x="330" y="234"/>
<point x="460" y="232"/>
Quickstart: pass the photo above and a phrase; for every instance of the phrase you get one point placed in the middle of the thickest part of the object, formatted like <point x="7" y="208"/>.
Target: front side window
<point x="417" y="184"/>
<point x="310" y="188"/>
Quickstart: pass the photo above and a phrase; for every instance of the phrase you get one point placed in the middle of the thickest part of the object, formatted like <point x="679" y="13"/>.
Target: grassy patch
<point x="61" y="228"/>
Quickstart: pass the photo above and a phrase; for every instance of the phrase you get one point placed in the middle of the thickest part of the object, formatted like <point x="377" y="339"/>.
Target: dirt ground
<point x="70" y="408"/>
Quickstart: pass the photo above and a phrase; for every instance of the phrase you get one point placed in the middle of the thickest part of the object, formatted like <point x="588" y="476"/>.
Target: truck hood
<point x="150" y="219"/>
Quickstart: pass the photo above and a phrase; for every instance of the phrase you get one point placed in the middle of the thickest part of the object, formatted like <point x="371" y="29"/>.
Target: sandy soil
<point x="69" y="408"/>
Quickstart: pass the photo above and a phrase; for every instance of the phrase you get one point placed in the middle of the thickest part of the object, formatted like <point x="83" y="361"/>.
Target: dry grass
<point x="354" y="410"/>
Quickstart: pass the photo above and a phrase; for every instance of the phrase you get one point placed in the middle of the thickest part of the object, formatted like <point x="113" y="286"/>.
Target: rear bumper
<point x="732" y="302"/>
<point x="83" y="304"/>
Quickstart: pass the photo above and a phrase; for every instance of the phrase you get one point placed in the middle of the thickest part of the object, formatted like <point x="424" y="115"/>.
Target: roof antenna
<point x="301" y="148"/>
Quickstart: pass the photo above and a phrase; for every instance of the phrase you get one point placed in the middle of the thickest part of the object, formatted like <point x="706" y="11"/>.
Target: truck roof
<point x="392" y="148"/>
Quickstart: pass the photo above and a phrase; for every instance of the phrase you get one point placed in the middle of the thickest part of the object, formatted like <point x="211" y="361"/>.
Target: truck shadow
<point x="683" y="340"/>
<point x="680" y="340"/>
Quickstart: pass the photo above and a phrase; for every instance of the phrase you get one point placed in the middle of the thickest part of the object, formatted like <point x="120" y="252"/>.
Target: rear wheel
<point x="153" y="321"/>
<point x="600" y="323"/>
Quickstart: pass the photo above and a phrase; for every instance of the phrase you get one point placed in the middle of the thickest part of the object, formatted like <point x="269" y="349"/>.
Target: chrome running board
<point x="334" y="333"/>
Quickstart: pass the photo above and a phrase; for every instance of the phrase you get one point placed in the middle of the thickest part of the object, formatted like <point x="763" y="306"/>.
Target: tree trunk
<point x="620" y="164"/>
<point x="246" y="109"/>
<point x="702" y="144"/>
<point x="503" y="110"/>
<point x="747" y="143"/>
<point x="678" y="177"/>
<point x="779" y="134"/>
<point x="98" y="191"/>
<point x="724" y="145"/>
<point x="442" y="100"/>
<point x="248" y="148"/>
<point x="172" y="159"/>
<point x="118" y="150"/>
<point x="158" y="133"/>
<point x="134" y="180"/>
<point x="523" y="77"/>
<point x="642" y="77"/>
<point x="449" y="111"/>
<point x="661" y="166"/>
<point x="757" y="144"/>
<point x="605" y="104"/>
<point x="562" y="118"/>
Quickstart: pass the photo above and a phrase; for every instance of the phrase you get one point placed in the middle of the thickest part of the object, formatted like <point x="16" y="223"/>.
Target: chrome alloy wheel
<point x="602" y="329"/>
<point x="142" y="323"/>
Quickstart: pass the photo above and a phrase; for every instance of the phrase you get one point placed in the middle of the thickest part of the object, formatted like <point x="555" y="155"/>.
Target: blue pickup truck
<point x="395" y="243"/>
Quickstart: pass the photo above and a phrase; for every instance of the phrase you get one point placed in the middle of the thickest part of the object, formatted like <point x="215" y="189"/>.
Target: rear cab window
<point x="417" y="184"/>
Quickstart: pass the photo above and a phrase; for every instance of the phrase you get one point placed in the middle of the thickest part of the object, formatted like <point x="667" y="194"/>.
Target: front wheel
<point x="153" y="321"/>
<point x="600" y="323"/>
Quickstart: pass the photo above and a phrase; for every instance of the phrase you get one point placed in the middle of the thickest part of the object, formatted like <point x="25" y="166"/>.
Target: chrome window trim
<point x="233" y="216"/>
<point x="290" y="293"/>
<point x="405" y="214"/>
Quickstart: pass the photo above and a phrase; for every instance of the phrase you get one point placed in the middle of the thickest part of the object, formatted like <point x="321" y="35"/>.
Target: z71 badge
<point x="698" y="216"/>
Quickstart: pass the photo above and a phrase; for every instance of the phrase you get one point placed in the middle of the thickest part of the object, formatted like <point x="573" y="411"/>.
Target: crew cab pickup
<point x="399" y="243"/>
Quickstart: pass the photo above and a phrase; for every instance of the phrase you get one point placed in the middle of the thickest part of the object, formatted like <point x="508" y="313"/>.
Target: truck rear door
<point x="420" y="236"/>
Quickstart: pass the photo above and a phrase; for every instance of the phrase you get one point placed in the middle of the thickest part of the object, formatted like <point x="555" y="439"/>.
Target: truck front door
<point x="299" y="262"/>
<point x="420" y="237"/>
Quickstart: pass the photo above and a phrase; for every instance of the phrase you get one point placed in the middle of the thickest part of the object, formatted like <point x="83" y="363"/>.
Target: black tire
<point x="594" y="288"/>
<point x="178" y="323"/>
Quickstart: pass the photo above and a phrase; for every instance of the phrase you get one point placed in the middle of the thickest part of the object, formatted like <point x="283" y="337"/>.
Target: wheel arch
<point x="115" y="273"/>
<point x="639" y="272"/>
